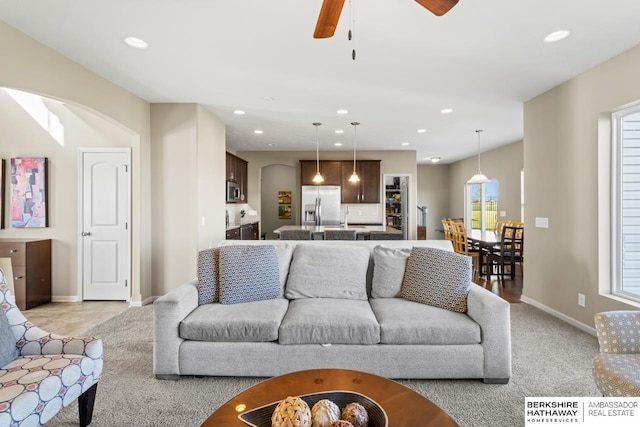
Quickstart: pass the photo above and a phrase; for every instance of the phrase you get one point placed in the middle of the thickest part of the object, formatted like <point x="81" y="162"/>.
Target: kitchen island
<point x="362" y="231"/>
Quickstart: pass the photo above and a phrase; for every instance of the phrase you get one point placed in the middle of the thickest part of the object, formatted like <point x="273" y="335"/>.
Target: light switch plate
<point x="542" y="222"/>
<point x="503" y="214"/>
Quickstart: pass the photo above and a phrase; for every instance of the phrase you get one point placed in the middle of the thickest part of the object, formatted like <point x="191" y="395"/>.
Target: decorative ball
<point x="341" y="423"/>
<point x="356" y="415"/>
<point x="291" y="412"/>
<point x="323" y="413"/>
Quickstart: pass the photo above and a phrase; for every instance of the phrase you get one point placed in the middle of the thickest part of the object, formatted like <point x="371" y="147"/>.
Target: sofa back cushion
<point x="328" y="271"/>
<point x="437" y="278"/>
<point x="388" y="271"/>
<point x="248" y="273"/>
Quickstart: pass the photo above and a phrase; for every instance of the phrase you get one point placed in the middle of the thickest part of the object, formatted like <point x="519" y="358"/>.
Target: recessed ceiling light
<point x="339" y="131"/>
<point x="271" y="144"/>
<point x="422" y="130"/>
<point x="556" y="36"/>
<point x="405" y="143"/>
<point x="136" y="42"/>
<point x="435" y="159"/>
<point x="338" y="144"/>
<point x="268" y="98"/>
<point x="258" y="131"/>
<point x="238" y="112"/>
<point x="446" y="110"/>
<point x="342" y="111"/>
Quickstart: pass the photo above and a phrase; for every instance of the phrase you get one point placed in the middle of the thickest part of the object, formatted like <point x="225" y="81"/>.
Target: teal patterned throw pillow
<point x="248" y="273"/>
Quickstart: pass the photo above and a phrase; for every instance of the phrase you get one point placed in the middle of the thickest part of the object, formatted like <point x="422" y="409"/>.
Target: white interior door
<point x="105" y="248"/>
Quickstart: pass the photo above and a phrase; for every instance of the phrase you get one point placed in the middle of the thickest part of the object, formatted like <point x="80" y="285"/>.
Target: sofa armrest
<point x="168" y="311"/>
<point x="618" y="331"/>
<point x="493" y="314"/>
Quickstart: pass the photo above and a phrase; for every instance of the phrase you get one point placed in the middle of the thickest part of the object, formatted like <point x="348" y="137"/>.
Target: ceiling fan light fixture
<point x="479" y="178"/>
<point x="318" y="179"/>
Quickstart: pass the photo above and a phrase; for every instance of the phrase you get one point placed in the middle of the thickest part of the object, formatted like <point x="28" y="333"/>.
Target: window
<point x="626" y="208"/>
<point x="481" y="206"/>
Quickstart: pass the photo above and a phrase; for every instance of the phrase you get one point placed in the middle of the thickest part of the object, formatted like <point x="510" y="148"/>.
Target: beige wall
<point x="188" y="162"/>
<point x="502" y="164"/>
<point x="22" y="136"/>
<point x="392" y="162"/>
<point x="441" y="187"/>
<point x="30" y="66"/>
<point x="564" y="184"/>
<point x="434" y="193"/>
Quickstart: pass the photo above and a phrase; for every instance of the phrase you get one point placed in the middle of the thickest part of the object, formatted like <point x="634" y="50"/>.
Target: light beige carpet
<point x="550" y="358"/>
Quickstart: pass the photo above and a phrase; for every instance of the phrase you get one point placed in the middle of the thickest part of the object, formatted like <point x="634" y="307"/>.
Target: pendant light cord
<point x="317" y="125"/>
<point x="478" y="131"/>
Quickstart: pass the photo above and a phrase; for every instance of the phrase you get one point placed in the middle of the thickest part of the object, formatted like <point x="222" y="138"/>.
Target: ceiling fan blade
<point x="328" y="19"/>
<point x="438" y="7"/>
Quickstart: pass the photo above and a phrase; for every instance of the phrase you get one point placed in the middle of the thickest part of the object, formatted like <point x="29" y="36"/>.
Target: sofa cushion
<point x="437" y="278"/>
<point x="327" y="271"/>
<point x="208" y="265"/>
<point x="329" y="321"/>
<point x="8" y="349"/>
<point x="248" y="273"/>
<point x="249" y="322"/>
<point x="408" y="322"/>
<point x="388" y="271"/>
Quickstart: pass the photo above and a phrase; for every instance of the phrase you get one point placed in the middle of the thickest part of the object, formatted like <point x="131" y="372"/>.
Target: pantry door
<point x="104" y="229"/>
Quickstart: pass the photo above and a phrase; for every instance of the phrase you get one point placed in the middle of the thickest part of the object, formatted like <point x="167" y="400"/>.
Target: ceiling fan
<point x="331" y="9"/>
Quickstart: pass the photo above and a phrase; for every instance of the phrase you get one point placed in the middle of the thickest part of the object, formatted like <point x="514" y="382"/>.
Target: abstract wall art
<point x="284" y="204"/>
<point x="29" y="192"/>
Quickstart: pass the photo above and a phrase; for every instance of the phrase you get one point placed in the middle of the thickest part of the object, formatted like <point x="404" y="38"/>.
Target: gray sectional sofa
<point x="339" y="306"/>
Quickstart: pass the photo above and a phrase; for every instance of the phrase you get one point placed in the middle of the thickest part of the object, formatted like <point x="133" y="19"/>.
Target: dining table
<point x="483" y="240"/>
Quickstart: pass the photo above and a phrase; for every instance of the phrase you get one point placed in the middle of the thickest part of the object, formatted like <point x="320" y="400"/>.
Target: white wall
<point x="434" y="193"/>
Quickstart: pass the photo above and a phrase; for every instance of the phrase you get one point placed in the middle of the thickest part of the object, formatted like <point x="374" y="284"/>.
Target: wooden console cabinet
<point x="31" y="264"/>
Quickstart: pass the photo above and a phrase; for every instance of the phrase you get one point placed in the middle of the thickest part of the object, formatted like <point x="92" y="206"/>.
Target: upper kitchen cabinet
<point x="329" y="169"/>
<point x="237" y="171"/>
<point x="365" y="191"/>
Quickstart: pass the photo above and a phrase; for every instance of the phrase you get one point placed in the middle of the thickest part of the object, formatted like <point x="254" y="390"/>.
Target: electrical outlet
<point x="581" y="300"/>
<point x="503" y="214"/>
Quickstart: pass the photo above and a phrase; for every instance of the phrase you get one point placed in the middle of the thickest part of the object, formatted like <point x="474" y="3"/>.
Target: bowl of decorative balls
<point x="326" y="409"/>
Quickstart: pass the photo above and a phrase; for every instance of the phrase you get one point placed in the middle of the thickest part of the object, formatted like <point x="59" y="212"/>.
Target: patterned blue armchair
<point x="45" y="372"/>
<point x="616" y="369"/>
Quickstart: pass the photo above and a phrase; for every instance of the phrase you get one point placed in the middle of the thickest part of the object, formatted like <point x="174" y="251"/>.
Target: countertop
<point x="233" y="225"/>
<point x="360" y="229"/>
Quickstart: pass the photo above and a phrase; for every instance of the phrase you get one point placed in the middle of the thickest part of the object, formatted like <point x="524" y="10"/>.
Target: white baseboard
<point x="144" y="302"/>
<point x="555" y="313"/>
<point x="64" y="299"/>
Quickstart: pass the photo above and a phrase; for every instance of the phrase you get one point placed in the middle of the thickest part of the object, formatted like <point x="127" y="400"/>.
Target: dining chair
<point x="461" y="244"/>
<point x="295" y="235"/>
<point x="340" y="235"/>
<point x="500" y="223"/>
<point x="447" y="226"/>
<point x="509" y="252"/>
<point x="515" y="223"/>
<point x="384" y="235"/>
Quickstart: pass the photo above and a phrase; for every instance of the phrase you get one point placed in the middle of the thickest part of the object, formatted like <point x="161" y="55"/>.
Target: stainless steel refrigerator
<point x="320" y="205"/>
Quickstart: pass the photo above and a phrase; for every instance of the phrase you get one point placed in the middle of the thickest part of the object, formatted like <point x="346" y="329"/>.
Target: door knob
<point x="86" y="233"/>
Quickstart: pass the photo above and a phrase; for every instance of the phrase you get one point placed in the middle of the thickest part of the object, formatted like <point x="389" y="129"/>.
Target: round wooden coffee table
<point x="404" y="407"/>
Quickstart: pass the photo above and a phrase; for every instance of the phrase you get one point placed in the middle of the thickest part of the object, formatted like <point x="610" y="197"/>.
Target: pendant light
<point x="354" y="176"/>
<point x="479" y="178"/>
<point x="318" y="179"/>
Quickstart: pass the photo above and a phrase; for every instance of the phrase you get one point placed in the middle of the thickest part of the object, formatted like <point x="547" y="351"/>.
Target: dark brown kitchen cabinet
<point x="238" y="171"/>
<point x="233" y="234"/>
<point x="249" y="231"/>
<point x="330" y="170"/>
<point x="31" y="264"/>
<point x="365" y="191"/>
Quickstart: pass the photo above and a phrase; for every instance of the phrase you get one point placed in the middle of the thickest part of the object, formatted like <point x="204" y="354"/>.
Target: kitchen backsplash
<point x="365" y="213"/>
<point x="234" y="213"/>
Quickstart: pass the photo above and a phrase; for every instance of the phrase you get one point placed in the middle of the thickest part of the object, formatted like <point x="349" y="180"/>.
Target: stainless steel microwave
<point x="233" y="192"/>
